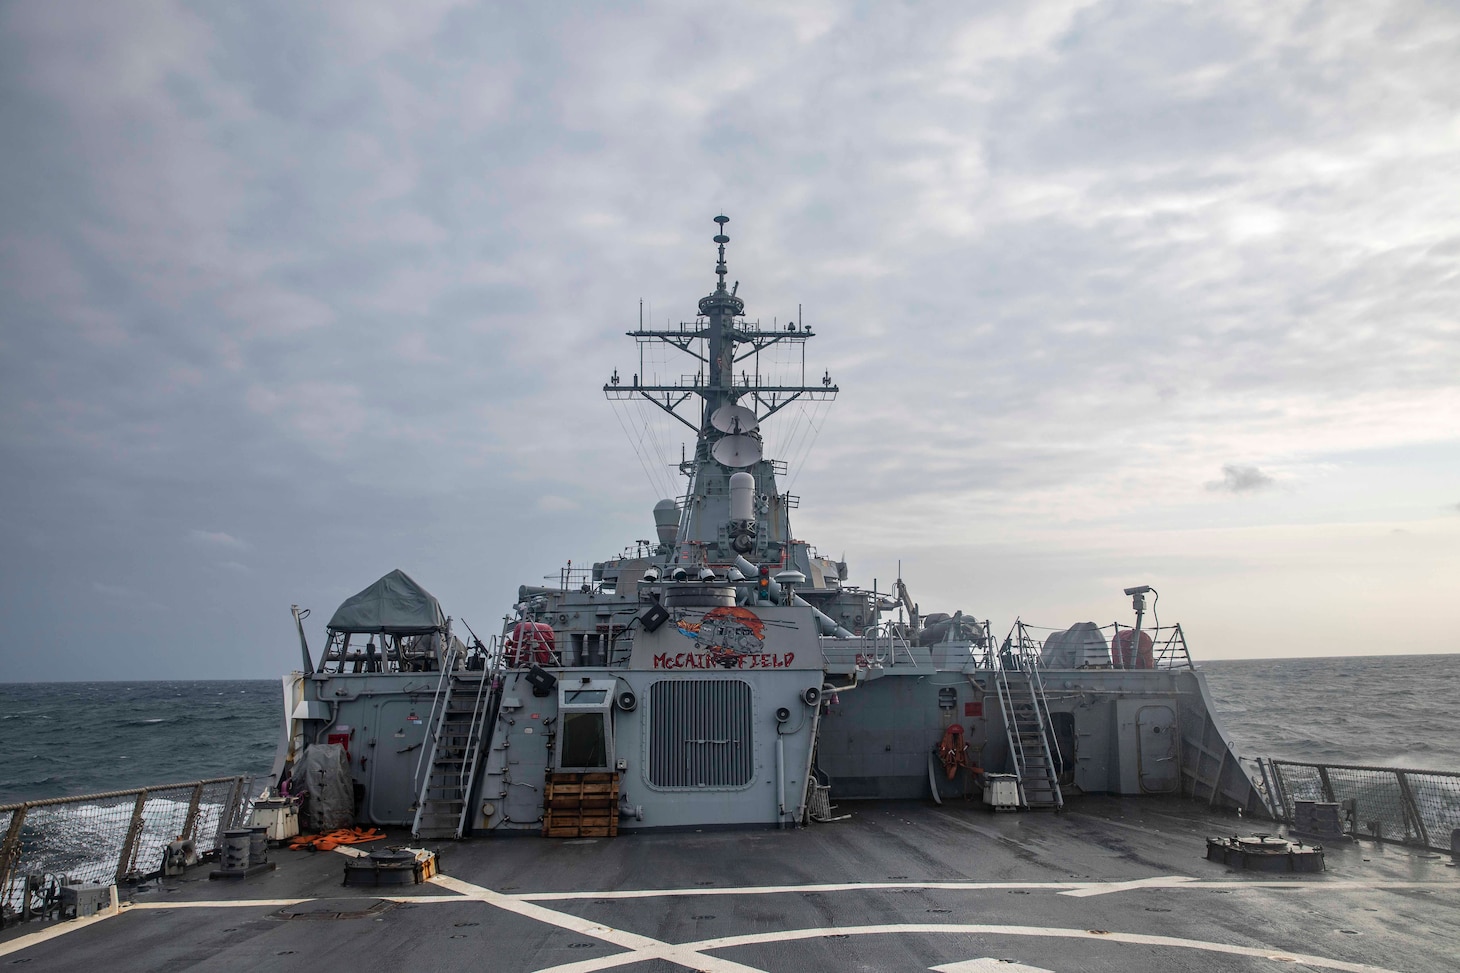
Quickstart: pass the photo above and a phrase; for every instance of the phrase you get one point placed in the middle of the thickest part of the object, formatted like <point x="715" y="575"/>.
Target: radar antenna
<point x="723" y="345"/>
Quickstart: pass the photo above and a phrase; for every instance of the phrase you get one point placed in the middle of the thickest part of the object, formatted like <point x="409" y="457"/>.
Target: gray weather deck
<point x="899" y="887"/>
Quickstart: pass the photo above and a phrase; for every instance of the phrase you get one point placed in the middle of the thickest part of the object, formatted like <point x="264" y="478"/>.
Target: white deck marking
<point x="1134" y="939"/>
<point x="640" y="947"/>
<point x="987" y="964"/>
<point x="1105" y="888"/>
<point x="692" y="955"/>
<point x="778" y="889"/>
<point x="1081" y="889"/>
<point x="220" y="904"/>
<point x="61" y="928"/>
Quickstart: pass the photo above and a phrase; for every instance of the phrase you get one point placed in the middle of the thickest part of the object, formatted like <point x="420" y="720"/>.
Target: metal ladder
<point x="1026" y="724"/>
<point x="456" y="737"/>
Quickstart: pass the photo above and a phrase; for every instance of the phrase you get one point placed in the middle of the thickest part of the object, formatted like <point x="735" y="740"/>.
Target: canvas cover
<point x="323" y="773"/>
<point x="1079" y="645"/>
<point x="394" y="605"/>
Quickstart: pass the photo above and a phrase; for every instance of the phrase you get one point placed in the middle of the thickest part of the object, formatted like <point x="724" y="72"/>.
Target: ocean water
<point x="61" y="739"/>
<point x="1392" y="711"/>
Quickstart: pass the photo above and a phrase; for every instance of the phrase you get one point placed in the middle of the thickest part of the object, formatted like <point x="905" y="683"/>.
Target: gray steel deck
<point x="899" y="887"/>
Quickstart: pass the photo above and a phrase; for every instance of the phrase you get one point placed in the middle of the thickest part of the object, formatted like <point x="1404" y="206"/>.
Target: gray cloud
<point x="345" y="284"/>
<point x="1240" y="479"/>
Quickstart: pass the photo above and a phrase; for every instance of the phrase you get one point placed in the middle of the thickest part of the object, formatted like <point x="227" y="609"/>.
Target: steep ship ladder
<point x="1026" y="724"/>
<point x="456" y="734"/>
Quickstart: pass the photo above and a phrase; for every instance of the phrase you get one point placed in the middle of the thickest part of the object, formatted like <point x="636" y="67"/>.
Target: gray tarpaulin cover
<point x="324" y="771"/>
<point x="1079" y="645"/>
<point x="395" y="605"/>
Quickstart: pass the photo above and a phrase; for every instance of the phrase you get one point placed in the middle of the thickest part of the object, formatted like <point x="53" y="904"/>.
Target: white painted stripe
<point x="1132" y="939"/>
<point x="1105" y="888"/>
<point x="779" y="889"/>
<point x="987" y="964"/>
<point x="640" y="947"/>
<point x="221" y="904"/>
<point x="60" y="929"/>
<point x="280" y="903"/>
<point x="1081" y="889"/>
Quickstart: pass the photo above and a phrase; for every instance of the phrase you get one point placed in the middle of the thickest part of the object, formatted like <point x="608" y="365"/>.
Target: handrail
<point x="435" y="722"/>
<point x="1030" y="657"/>
<point x="1006" y="707"/>
<point x="1401" y="805"/>
<point x="474" y="741"/>
<point x="103" y="795"/>
<point x="102" y="836"/>
<point x="448" y="663"/>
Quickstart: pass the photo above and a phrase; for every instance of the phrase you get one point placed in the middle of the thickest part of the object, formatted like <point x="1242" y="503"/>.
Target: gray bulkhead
<point x="383" y="719"/>
<point x="699" y="737"/>
<point x="1114" y="731"/>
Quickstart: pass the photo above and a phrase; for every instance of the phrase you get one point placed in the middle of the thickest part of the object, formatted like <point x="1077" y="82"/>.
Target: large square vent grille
<point x="700" y="734"/>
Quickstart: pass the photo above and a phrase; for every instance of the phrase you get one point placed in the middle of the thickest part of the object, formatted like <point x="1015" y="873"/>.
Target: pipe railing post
<point x="229" y="811"/>
<point x="132" y="842"/>
<point x="1411" y="808"/>
<point x="1326" y="783"/>
<point x="1286" y="815"/>
<point x="191" y="822"/>
<point x="10" y="852"/>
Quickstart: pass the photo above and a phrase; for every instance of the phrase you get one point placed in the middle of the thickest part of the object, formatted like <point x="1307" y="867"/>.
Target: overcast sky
<point x="1116" y="292"/>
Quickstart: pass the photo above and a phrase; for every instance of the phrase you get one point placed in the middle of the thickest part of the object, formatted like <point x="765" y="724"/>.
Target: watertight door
<point x="1157" y="749"/>
<point x="398" y="732"/>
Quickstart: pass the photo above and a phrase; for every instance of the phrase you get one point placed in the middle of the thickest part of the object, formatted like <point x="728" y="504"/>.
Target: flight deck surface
<point x="1117" y="885"/>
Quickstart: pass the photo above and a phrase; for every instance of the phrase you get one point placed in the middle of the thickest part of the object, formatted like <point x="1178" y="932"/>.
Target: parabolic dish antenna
<point x="737" y="451"/>
<point x="735" y="419"/>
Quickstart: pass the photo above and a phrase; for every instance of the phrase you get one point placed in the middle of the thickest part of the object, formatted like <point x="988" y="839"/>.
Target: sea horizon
<point x="115" y="734"/>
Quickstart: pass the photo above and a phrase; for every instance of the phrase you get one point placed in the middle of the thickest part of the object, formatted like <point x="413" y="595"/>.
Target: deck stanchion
<point x="1411" y="808"/>
<point x="191" y="822"/>
<point x="134" y="831"/>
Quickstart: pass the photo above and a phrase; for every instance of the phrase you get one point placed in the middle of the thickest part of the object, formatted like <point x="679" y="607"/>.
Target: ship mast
<point x="723" y="402"/>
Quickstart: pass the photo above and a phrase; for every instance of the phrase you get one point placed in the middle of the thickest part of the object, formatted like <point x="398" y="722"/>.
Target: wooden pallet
<point x="580" y="806"/>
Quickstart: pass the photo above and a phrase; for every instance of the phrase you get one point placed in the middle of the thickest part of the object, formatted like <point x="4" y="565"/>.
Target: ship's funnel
<point x="742" y="496"/>
<point x="666" y="521"/>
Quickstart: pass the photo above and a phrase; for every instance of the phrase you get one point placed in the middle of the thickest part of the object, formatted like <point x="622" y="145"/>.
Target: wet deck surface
<point x="1111" y="885"/>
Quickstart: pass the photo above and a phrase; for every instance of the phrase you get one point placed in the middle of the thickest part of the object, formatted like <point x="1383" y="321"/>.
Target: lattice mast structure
<point x="724" y="402"/>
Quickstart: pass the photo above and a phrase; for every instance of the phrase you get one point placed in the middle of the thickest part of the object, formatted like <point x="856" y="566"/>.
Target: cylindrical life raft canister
<point x="1120" y="651"/>
<point x="531" y="643"/>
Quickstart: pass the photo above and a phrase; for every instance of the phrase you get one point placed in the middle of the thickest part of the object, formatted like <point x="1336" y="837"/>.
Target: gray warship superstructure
<point x="726" y="674"/>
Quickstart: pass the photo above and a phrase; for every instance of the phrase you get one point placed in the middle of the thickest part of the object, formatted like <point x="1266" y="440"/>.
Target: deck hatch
<point x="700" y="734"/>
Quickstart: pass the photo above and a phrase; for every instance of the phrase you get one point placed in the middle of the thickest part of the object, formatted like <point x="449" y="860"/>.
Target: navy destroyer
<point x="732" y="758"/>
<point x="727" y="674"/>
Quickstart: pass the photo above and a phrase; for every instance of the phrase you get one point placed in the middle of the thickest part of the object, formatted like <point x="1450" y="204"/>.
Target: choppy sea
<point x="60" y="739"/>
<point x="65" y="738"/>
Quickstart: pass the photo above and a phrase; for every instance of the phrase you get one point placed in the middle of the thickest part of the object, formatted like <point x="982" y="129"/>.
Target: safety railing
<point x="113" y="836"/>
<point x="1160" y="647"/>
<point x="1407" y="807"/>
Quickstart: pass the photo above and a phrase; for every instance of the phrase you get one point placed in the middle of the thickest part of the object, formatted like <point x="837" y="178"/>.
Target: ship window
<point x="585" y="744"/>
<point x="700" y="734"/>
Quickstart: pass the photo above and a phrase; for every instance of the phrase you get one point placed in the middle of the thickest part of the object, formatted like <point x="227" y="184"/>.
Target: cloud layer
<point x="343" y="282"/>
